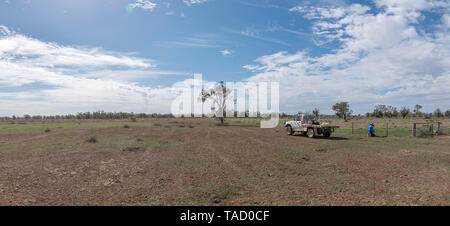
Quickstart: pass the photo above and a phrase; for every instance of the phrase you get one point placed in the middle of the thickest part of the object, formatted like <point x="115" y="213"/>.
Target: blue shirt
<point x="370" y="129"/>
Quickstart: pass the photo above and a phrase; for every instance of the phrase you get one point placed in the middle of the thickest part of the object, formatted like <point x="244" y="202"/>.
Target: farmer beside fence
<point x="371" y="130"/>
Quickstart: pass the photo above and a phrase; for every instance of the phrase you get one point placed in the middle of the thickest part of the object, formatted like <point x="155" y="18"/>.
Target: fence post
<point x="414" y="130"/>
<point x="352" y="127"/>
<point x="432" y="133"/>
<point x="387" y="129"/>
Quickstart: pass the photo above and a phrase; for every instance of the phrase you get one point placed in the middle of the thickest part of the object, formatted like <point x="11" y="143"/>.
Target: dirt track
<point x="239" y="164"/>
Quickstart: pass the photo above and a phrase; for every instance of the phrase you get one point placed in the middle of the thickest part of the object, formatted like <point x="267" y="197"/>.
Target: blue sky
<point x="365" y="52"/>
<point x="189" y="43"/>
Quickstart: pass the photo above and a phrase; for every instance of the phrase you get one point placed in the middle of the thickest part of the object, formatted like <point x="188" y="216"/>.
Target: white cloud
<point x="446" y="20"/>
<point x="199" y="40"/>
<point x="225" y="52"/>
<point x="31" y="51"/>
<point x="378" y="57"/>
<point x="46" y="78"/>
<point x="193" y="2"/>
<point x="144" y="4"/>
<point x="256" y="34"/>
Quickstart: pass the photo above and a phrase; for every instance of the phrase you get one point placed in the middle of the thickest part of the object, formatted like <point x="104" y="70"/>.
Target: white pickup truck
<point x="308" y="124"/>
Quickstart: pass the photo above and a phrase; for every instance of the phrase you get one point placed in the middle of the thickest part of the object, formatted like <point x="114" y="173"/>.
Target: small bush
<point x="133" y="149"/>
<point x="48" y="130"/>
<point x="133" y="119"/>
<point x="191" y="126"/>
<point x="139" y="140"/>
<point x="92" y="140"/>
<point x="126" y="126"/>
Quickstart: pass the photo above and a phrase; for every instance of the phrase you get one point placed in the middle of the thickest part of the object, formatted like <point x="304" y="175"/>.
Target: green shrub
<point x="48" y="130"/>
<point x="92" y="140"/>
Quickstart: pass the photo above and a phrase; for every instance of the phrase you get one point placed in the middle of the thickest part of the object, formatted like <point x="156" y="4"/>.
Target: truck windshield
<point x="309" y="118"/>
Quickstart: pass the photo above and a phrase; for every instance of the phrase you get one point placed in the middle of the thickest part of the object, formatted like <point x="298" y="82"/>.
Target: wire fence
<point x="388" y="128"/>
<point x="395" y="130"/>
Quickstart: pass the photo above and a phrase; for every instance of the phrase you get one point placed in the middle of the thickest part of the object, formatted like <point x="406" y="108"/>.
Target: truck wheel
<point x="310" y="133"/>
<point x="289" y="130"/>
<point x="326" y="134"/>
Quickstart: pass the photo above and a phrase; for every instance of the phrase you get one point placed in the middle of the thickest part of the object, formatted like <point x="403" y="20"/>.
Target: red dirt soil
<point x="206" y="164"/>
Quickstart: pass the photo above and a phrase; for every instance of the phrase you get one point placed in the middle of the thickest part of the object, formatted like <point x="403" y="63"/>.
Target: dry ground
<point x="196" y="162"/>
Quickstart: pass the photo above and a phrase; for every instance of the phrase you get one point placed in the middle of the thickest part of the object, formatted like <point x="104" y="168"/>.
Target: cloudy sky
<point x="59" y="57"/>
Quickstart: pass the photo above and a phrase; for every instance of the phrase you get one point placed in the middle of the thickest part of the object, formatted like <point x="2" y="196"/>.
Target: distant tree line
<point x="383" y="111"/>
<point x="121" y="115"/>
<point x="342" y="110"/>
<point x="89" y="115"/>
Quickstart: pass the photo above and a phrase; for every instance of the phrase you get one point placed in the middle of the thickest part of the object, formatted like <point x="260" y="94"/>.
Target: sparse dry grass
<point x="217" y="165"/>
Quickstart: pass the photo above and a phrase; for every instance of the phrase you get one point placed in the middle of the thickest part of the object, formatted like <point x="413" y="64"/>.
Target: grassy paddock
<point x="397" y="127"/>
<point x="72" y="125"/>
<point x="169" y="163"/>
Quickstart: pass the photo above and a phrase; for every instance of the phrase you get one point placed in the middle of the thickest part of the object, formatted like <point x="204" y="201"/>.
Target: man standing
<point x="371" y="130"/>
